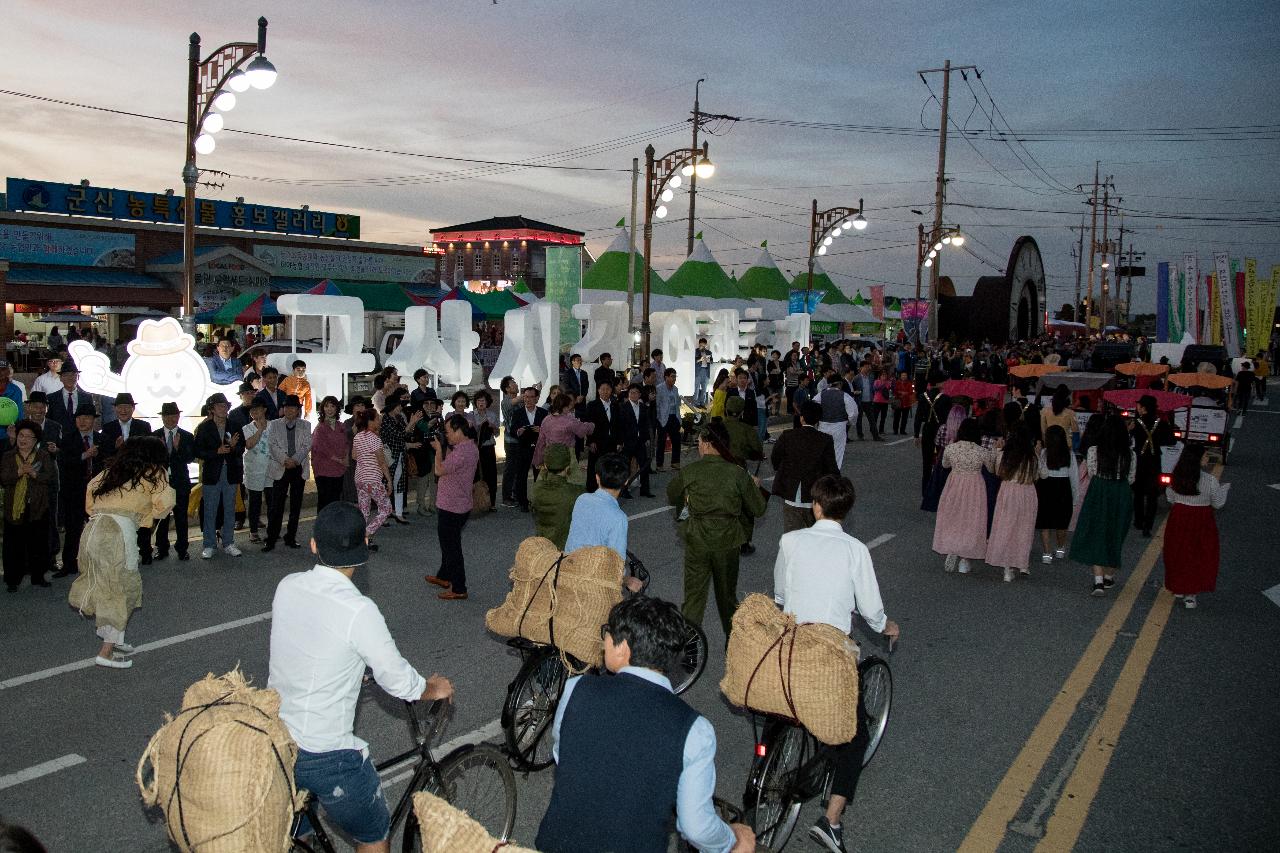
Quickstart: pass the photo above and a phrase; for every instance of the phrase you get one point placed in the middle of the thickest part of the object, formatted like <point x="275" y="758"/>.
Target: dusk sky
<point x="591" y="83"/>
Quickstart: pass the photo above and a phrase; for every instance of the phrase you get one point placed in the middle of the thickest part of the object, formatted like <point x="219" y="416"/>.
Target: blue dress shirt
<point x="224" y="372"/>
<point x="696" y="818"/>
<point x="597" y="520"/>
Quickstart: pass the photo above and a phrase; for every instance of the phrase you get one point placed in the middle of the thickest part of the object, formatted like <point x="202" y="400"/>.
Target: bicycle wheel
<point x="530" y="709"/>
<point x="691" y="661"/>
<point x="875" y="694"/>
<point x="478" y="780"/>
<point x="777" y="804"/>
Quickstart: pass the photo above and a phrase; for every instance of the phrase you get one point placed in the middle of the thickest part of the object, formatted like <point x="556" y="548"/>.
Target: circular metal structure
<point x="1003" y="308"/>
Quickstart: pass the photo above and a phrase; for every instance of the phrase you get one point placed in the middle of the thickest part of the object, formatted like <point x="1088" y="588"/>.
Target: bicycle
<point x="475" y="778"/>
<point x="791" y="767"/>
<point x="534" y="694"/>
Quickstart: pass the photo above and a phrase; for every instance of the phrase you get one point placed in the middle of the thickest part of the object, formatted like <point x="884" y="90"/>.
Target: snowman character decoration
<point x="163" y="367"/>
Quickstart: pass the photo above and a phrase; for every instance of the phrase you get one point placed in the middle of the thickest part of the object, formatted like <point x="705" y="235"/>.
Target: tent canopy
<point x="764" y="281"/>
<point x="609" y="272"/>
<point x="247" y="309"/>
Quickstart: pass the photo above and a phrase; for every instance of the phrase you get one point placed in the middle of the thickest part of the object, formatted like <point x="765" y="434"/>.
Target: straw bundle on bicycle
<point x="806" y="672"/>
<point x="446" y="829"/>
<point x="565" y="595"/>
<point x="222" y="769"/>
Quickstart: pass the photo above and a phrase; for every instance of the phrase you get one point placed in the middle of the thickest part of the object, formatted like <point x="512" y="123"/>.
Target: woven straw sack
<point x="807" y="672"/>
<point x="580" y="593"/>
<point x="446" y="829"/>
<point x="222" y="769"/>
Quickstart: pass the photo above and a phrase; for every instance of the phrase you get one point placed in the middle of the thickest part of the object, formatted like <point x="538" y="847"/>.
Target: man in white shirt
<point x="324" y="633"/>
<point x="823" y="575"/>
<point x="50" y="382"/>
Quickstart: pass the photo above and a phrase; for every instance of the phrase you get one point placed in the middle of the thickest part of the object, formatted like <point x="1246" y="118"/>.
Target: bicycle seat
<point x="521" y="644"/>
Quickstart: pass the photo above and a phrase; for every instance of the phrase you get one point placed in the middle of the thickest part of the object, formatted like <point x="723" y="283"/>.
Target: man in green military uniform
<point x="718" y="494"/>
<point x="744" y="443"/>
<point x="552" y="496"/>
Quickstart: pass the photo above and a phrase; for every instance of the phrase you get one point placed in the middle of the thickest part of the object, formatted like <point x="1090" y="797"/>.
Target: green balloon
<point x="8" y="412"/>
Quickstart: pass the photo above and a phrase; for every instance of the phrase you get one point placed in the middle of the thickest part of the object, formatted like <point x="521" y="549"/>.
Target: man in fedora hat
<point x="182" y="452"/>
<point x="124" y="427"/>
<point x="68" y="399"/>
<point x="79" y="461"/>
<point x="220" y="449"/>
<point x="288" y="468"/>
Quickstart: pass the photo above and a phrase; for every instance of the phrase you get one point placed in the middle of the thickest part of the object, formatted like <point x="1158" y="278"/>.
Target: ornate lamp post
<point x="211" y="86"/>
<point x="927" y="248"/>
<point x="824" y="228"/>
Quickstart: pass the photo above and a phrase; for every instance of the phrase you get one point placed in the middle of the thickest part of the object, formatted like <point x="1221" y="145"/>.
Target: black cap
<point x="86" y="409"/>
<point x="124" y="398"/>
<point x="37" y="397"/>
<point x="68" y="366"/>
<point x="170" y="409"/>
<point x="339" y="534"/>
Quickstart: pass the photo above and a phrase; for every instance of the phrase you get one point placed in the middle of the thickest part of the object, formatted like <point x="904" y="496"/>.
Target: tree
<point x="1067" y="312"/>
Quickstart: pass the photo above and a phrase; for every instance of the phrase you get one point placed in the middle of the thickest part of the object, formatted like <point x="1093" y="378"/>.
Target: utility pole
<point x="1115" y="300"/>
<point x="693" y="179"/>
<point x="939" y="196"/>
<point x="631" y="246"/>
<point x="1075" y="306"/>
<point x="1093" y="240"/>
<point x="1106" y="248"/>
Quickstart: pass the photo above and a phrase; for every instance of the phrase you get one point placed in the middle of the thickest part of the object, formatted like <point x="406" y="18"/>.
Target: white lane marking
<point x="899" y="441"/>
<point x="880" y="540"/>
<point x="1239" y="422"/>
<point x="650" y="512"/>
<point x="486" y="732"/>
<point x="1273" y="594"/>
<point x="145" y="647"/>
<point x="43" y="769"/>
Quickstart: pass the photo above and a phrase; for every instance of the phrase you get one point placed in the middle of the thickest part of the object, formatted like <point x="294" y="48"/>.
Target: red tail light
<point x="1166" y="479"/>
<point x="1177" y="433"/>
<point x="1213" y="438"/>
<point x="760" y="750"/>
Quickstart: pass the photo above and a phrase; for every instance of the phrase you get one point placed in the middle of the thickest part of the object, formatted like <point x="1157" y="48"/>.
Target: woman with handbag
<point x="484" y="419"/>
<point x="27" y="472"/>
<point x="455" y="473"/>
<point x="395" y="434"/>
<point x="371" y="472"/>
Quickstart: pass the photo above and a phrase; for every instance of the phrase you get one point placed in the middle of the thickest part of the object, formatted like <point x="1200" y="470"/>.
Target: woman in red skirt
<point x="1191" y="534"/>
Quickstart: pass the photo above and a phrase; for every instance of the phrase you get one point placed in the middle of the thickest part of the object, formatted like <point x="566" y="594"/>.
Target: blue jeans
<point x="346" y="785"/>
<point x="701" y="378"/>
<point x="213" y="494"/>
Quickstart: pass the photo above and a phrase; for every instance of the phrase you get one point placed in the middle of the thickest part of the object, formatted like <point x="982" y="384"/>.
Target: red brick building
<point x="499" y="250"/>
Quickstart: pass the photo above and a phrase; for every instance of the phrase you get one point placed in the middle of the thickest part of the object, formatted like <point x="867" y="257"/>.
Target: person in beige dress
<point x="132" y="492"/>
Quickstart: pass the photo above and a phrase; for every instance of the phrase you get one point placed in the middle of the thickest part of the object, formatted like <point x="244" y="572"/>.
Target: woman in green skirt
<point x="1108" y="504"/>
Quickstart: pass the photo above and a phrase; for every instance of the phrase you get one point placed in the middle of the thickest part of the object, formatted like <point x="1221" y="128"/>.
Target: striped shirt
<point x="365" y="446"/>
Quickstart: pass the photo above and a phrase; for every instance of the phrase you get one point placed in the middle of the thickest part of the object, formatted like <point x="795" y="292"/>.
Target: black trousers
<point x="1145" y="493"/>
<point x="867" y="411"/>
<point x="523" y="462"/>
<point x="488" y="471"/>
<point x="847" y="759"/>
<point x="881" y="414"/>
<point x="328" y="490"/>
<point x="639" y="454"/>
<point x="509" y="472"/>
<point x="254" y="506"/>
<point x="671" y="429"/>
<point x="290" y="484"/>
<point x="901" y="416"/>
<point x="24" y="550"/>
<point x="452" y="566"/>
<point x="71" y="508"/>
<point x="179" y="516"/>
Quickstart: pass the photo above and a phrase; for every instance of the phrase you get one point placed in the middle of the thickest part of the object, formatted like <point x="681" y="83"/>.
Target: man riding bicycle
<point x="823" y="574"/>
<point x="324" y="632"/>
<point x="625" y="738"/>
<point x="597" y="519"/>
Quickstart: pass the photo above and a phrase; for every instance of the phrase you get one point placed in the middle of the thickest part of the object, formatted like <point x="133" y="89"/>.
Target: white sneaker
<point x="112" y="663"/>
<point x="206" y="554"/>
<point x="1046" y="558"/>
<point x="1009" y="575"/>
<point x="1189" y="602"/>
<point x="1060" y="554"/>
<point x="964" y="567"/>
<point x="124" y="648"/>
<point x="232" y="551"/>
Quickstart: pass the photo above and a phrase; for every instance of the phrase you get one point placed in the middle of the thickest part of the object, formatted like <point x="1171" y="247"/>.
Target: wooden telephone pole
<point x="1093" y="240"/>
<point x="693" y="179"/>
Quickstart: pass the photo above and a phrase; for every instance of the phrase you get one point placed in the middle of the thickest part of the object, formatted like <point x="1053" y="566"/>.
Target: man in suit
<point x="182" y="452"/>
<point x="288" y="469"/>
<point x="36" y="410"/>
<point x="221" y="450"/>
<point x="79" y="461"/>
<point x="633" y="432"/>
<point x="271" y="392"/>
<point x="526" y="421"/>
<point x="604" y="373"/>
<point x="603" y="412"/>
<point x="69" y="399"/>
<point x="741" y="387"/>
<point x="575" y="383"/>
<point x="224" y="368"/>
<point x="114" y="435"/>
<point x="800" y="458"/>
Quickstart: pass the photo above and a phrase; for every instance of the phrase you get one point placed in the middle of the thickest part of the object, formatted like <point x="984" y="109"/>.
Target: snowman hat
<point x="160" y="337"/>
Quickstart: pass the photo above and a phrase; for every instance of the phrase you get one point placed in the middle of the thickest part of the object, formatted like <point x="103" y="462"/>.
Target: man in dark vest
<point x="801" y="457"/>
<point x="628" y="732"/>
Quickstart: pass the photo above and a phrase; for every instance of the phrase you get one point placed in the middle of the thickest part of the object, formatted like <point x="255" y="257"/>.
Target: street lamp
<point x="660" y="176"/>
<point x="211" y="85"/>
<point x="927" y="248"/>
<point x="824" y="227"/>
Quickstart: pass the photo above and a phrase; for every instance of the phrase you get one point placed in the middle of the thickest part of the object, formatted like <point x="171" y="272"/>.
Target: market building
<point x="116" y="253"/>
<point x="492" y="254"/>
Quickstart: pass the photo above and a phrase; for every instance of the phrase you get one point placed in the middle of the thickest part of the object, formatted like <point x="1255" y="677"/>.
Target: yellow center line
<point x="988" y="831"/>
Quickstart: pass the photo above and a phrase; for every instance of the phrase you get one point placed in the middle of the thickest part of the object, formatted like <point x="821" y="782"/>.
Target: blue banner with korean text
<point x="85" y="200"/>
<point x="1162" y="302"/>
<point x="797" y="304"/>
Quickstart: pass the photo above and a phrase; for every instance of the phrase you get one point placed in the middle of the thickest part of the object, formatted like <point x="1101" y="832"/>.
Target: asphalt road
<point x="1019" y="709"/>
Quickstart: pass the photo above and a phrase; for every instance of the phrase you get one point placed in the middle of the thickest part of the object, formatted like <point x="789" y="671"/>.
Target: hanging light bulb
<point x="937" y="247"/>
<point x="205" y="144"/>
<point x="957" y="239"/>
<point x="661" y="211"/>
<point x="822" y="250"/>
<point x="946" y="240"/>
<point x="860" y="223"/>
<point x="261" y="73"/>
<point x="687" y="170"/>
<point x="933" y="253"/>
<point x="847" y="224"/>
<point x="667" y="195"/>
<point x="928" y="262"/>
<point x="212" y="123"/>
<point x="238" y="81"/>
<point x="224" y="101"/>
<point x="705" y="168"/>
<point x="836" y="232"/>
<point x="675" y="182"/>
<point x="827" y="242"/>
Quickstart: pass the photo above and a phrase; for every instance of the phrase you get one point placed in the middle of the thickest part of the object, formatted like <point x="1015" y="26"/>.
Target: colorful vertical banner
<point x="1253" y="308"/>
<point x="1213" y="329"/>
<point x="564" y="286"/>
<point x="1162" y="302"/>
<point x="877" y="301"/>
<point x="915" y="317"/>
<point x="1191" y="292"/>
<point x="1176" y="304"/>
<point x="1227" y="300"/>
<point x="1269" y="304"/>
